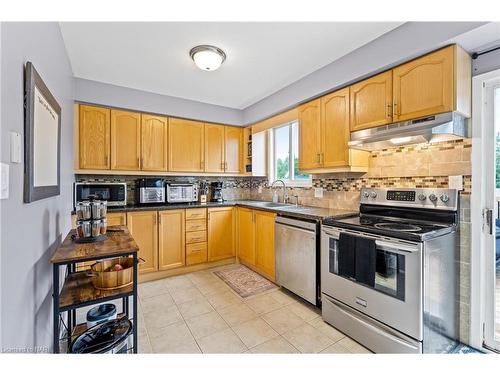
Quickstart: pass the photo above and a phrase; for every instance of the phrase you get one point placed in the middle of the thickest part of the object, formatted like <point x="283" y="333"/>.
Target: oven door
<point x="396" y="297"/>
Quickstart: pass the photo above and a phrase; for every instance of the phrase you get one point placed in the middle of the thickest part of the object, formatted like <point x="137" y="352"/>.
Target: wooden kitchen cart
<point x="77" y="290"/>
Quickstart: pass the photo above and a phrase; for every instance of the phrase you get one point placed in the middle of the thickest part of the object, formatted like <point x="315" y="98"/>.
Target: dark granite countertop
<point x="306" y="212"/>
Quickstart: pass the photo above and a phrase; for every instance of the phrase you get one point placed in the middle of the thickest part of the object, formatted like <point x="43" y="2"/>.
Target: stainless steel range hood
<point x="436" y="128"/>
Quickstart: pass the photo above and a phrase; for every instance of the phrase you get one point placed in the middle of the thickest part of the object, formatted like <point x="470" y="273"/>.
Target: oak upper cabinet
<point x="171" y="249"/>
<point x="264" y="243"/>
<point x="233" y="148"/>
<point x="93" y="137"/>
<point x="154" y="142"/>
<point x="335" y="129"/>
<point x="435" y="83"/>
<point x="144" y="228"/>
<point x="221" y="236"/>
<point x="125" y="140"/>
<point x="309" y="135"/>
<point x="186" y="143"/>
<point x="246" y="243"/>
<point x="371" y="102"/>
<point x="214" y="148"/>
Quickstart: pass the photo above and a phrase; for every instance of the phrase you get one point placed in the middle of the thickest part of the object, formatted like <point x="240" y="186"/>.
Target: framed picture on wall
<point x="42" y="139"/>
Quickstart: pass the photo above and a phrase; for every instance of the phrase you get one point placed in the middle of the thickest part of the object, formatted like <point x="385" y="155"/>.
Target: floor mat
<point x="244" y="281"/>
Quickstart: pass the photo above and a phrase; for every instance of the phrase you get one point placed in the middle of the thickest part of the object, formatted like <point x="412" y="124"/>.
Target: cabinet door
<point x="221" y="239"/>
<point x="335" y="129"/>
<point x="246" y="243"/>
<point x="171" y="249"/>
<point x="185" y="146"/>
<point x="144" y="229"/>
<point x="264" y="243"/>
<point x="371" y="102"/>
<point x="214" y="148"/>
<point x="117" y="218"/>
<point x="424" y="86"/>
<point x="125" y="140"/>
<point x="154" y="140"/>
<point x="94" y="130"/>
<point x="309" y="135"/>
<point x="233" y="149"/>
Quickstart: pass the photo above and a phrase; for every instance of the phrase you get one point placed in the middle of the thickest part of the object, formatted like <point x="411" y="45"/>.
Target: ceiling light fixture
<point x="207" y="57"/>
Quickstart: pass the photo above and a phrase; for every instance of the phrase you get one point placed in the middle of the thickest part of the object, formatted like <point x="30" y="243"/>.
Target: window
<point x="284" y="147"/>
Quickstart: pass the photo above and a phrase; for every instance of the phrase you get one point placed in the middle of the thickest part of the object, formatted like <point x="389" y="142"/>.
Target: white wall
<point x="123" y="97"/>
<point x="31" y="232"/>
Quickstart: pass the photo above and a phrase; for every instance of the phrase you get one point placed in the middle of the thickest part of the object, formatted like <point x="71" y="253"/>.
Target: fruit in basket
<point x="117" y="267"/>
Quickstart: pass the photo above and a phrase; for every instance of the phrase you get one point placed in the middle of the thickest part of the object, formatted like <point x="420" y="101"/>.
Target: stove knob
<point x="366" y="194"/>
<point x="444" y="198"/>
<point x="374" y="194"/>
<point x="433" y="197"/>
<point x="422" y="197"/>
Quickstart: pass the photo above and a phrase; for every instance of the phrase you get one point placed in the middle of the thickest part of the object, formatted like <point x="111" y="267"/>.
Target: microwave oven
<point x="115" y="193"/>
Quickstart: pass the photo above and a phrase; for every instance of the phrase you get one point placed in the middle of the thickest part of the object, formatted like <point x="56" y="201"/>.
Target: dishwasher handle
<point x="300" y="224"/>
<point x="293" y="227"/>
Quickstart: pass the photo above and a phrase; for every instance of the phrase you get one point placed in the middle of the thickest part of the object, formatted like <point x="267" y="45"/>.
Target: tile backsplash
<point x="422" y="165"/>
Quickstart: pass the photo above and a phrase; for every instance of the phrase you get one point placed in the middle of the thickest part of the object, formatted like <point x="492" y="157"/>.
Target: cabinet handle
<point x="388" y="110"/>
<point x="318" y="158"/>
<point x="322" y="158"/>
<point x="159" y="219"/>
<point x="154" y="219"/>
<point x="142" y="163"/>
<point x="106" y="159"/>
<point x="395" y="111"/>
<point x="202" y="165"/>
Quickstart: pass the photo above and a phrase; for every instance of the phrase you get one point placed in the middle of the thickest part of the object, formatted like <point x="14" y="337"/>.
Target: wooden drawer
<point x="194" y="237"/>
<point x="196" y="213"/>
<point x="196" y="253"/>
<point x="196" y="225"/>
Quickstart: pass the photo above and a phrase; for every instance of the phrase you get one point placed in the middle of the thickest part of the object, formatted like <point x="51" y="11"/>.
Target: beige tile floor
<point x="199" y="313"/>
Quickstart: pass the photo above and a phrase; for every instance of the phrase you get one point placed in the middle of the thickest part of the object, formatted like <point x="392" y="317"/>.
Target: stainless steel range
<point x="389" y="276"/>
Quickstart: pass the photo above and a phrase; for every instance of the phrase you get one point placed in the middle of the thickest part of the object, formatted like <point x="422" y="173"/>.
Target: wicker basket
<point x="103" y="277"/>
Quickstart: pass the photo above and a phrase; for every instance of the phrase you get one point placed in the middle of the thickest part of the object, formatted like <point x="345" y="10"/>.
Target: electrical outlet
<point x="318" y="192"/>
<point x="456" y="182"/>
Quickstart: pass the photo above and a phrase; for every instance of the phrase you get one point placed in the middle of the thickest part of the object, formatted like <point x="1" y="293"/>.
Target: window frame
<point x="273" y="161"/>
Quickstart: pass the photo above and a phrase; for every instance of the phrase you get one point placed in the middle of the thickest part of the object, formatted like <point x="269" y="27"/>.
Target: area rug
<point x="244" y="281"/>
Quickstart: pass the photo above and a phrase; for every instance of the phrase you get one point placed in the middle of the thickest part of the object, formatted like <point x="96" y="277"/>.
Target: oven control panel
<point x="402" y="196"/>
<point x="433" y="198"/>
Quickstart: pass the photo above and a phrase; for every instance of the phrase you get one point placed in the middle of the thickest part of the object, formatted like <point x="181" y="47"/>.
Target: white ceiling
<point x="262" y="58"/>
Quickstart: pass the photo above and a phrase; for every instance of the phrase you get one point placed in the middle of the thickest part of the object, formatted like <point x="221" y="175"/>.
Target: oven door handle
<point x="385" y="245"/>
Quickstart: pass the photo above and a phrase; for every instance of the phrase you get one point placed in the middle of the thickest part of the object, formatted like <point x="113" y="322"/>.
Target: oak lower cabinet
<point x="246" y="233"/>
<point x="186" y="146"/>
<point x="94" y="137"/>
<point x="116" y="218"/>
<point x="143" y="225"/>
<point x="256" y="240"/>
<point x="265" y="258"/>
<point x="171" y="248"/>
<point x="125" y="140"/>
<point x="221" y="233"/>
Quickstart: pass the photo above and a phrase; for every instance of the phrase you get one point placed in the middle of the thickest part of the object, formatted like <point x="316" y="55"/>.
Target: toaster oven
<point x="182" y="193"/>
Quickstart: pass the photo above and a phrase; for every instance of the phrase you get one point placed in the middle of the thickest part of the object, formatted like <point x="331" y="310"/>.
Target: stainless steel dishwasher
<point x="296" y="257"/>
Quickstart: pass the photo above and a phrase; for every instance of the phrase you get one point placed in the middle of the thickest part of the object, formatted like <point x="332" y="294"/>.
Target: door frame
<point x="479" y="257"/>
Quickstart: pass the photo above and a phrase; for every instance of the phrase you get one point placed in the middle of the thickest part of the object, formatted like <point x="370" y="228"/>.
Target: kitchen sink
<point x="285" y="206"/>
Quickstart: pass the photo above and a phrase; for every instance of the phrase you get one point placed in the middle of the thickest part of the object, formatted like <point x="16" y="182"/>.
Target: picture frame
<point x="42" y="139"/>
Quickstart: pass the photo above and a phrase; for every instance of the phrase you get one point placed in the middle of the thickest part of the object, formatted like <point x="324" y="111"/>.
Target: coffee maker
<point x="216" y="188"/>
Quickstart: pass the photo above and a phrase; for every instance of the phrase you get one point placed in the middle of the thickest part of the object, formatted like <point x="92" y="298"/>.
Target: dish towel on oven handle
<point x="357" y="258"/>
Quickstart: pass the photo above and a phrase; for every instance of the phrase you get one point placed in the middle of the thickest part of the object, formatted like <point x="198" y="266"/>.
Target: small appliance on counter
<point x="114" y="193"/>
<point x="182" y="192"/>
<point x="216" y="188"/>
<point x="150" y="191"/>
<point x="203" y="191"/>
<point x="91" y="223"/>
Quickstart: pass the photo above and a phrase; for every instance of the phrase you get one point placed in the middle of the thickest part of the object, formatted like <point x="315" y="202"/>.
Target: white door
<point x="491" y="210"/>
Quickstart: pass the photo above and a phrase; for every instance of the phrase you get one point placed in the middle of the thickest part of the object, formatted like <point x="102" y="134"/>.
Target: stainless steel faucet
<point x="285" y="194"/>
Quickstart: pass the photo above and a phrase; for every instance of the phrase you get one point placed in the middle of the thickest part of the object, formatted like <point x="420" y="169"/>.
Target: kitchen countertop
<point x="305" y="212"/>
